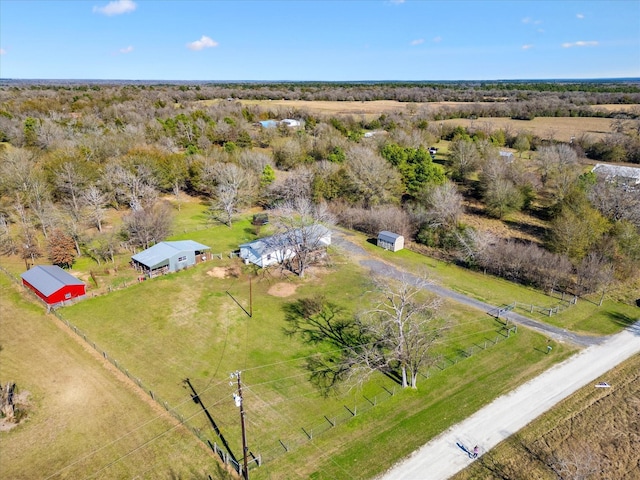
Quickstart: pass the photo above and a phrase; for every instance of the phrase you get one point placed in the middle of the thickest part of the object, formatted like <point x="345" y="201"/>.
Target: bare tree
<point x="233" y="187"/>
<point x="559" y="169"/>
<point x="464" y="158"/>
<point x="7" y="244"/>
<point x="145" y="227"/>
<point x="301" y="227"/>
<point x="444" y="205"/>
<point x="375" y="180"/>
<point x="404" y="327"/>
<point x="70" y="181"/>
<point x="580" y="462"/>
<point x="95" y="200"/>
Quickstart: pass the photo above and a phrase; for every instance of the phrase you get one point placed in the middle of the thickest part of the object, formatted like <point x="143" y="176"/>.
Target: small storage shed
<point x="390" y="241"/>
<point x="165" y="257"/>
<point x="52" y="284"/>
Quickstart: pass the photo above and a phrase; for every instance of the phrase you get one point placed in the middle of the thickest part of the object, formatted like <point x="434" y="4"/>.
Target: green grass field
<point x="193" y="324"/>
<point x="83" y="420"/>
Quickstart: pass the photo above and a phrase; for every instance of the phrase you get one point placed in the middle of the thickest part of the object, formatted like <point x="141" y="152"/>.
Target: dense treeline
<point x="75" y="153"/>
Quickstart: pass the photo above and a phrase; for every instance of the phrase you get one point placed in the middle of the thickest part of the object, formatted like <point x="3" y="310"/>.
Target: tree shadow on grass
<point x="340" y="337"/>
<point x="622" y="319"/>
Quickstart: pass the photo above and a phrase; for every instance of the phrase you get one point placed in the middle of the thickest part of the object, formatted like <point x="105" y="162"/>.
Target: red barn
<point x="52" y="284"/>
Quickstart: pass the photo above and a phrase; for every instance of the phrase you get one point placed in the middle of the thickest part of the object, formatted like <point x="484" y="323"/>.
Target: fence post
<point x="284" y="446"/>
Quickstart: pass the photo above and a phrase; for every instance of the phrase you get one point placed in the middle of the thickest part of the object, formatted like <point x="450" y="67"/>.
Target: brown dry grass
<point x="597" y="426"/>
<point x="558" y="128"/>
<point x="85" y="419"/>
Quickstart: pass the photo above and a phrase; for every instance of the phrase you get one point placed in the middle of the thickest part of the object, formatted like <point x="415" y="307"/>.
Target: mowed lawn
<point x="193" y="324"/>
<point x="83" y="420"/>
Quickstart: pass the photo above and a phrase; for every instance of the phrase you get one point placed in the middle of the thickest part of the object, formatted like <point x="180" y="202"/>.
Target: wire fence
<point x="366" y="403"/>
<point x="309" y="432"/>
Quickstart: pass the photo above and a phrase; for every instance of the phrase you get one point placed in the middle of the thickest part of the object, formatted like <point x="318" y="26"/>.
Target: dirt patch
<point x="282" y="289"/>
<point x="217" y="272"/>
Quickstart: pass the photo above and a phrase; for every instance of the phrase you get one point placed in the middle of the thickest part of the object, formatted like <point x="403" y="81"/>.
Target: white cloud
<point x="396" y="2"/>
<point x="3" y="51"/>
<point x="579" y="16"/>
<point x="437" y="39"/>
<point x="117" y="7"/>
<point x="204" y="42"/>
<point x="527" y="47"/>
<point x="531" y="21"/>
<point x="417" y="41"/>
<point x="128" y="49"/>
<point x="580" y="43"/>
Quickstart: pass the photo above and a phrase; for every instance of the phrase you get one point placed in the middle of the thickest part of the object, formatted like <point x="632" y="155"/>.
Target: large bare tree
<point x="403" y="326"/>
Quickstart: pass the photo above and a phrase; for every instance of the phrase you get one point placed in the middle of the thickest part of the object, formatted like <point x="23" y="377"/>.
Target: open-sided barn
<point x="52" y="284"/>
<point x="165" y="257"/>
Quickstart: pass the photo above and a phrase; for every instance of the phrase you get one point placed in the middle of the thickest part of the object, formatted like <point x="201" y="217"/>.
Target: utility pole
<point x="245" y="450"/>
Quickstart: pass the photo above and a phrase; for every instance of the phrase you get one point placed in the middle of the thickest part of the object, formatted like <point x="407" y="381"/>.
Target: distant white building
<point x="290" y="122"/>
<point x="625" y="176"/>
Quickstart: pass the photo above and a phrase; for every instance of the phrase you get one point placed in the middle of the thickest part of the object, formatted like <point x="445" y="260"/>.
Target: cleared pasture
<point x="84" y="421"/>
<point x="191" y="325"/>
<point x="558" y="128"/>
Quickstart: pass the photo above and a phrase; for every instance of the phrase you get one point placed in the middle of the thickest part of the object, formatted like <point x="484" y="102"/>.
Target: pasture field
<point x="83" y="421"/>
<point x="186" y="325"/>
<point x="193" y="325"/>
<point x="558" y="128"/>
<point x="595" y="428"/>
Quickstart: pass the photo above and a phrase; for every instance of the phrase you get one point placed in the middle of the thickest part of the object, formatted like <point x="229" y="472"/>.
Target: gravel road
<point x="443" y="456"/>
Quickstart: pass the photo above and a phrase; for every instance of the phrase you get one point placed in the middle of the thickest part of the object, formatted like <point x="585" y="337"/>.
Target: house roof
<point x="48" y="279"/>
<point x="388" y="236"/>
<point x="161" y="252"/>
<point x="277" y="242"/>
<point x="617" y="171"/>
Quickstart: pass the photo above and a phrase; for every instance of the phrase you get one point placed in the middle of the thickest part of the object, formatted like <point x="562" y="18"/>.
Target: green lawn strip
<point x="369" y="444"/>
<point x="595" y="418"/>
<point x="584" y="317"/>
<point x="82" y="421"/>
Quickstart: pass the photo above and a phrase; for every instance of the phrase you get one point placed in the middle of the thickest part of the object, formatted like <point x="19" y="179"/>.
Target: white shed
<point x="390" y="241"/>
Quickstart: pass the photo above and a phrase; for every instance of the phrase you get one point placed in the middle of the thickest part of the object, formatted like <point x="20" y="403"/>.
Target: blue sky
<point x="338" y="40"/>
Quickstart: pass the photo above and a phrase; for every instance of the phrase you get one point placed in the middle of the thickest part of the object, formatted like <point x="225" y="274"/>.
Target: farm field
<point x="83" y="420"/>
<point x="596" y="429"/>
<point x="558" y="128"/>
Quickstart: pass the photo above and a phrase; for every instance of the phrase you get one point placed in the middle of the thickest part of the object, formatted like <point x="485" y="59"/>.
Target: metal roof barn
<point x="166" y="257"/>
<point x="52" y="284"/>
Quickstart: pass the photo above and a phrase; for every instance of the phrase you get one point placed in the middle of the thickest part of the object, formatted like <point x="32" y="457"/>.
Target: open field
<point x="558" y="128"/>
<point x="596" y="428"/>
<point x="84" y="421"/>
<point x="191" y="325"/>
